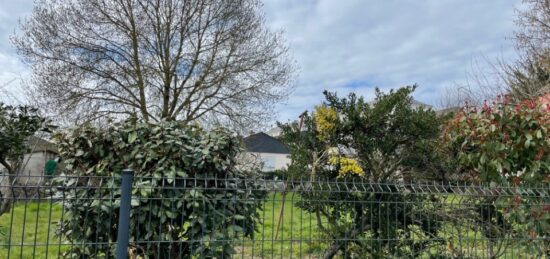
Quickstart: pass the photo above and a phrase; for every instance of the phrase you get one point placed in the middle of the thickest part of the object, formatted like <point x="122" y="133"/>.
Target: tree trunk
<point x="6" y="192"/>
<point x="6" y="199"/>
<point x="332" y="250"/>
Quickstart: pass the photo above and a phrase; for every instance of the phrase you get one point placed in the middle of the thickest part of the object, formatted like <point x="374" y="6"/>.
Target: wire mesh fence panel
<point x="183" y="217"/>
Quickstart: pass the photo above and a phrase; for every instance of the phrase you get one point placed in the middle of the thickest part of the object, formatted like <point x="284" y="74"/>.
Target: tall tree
<point x="188" y="60"/>
<point x="529" y="76"/>
<point x="533" y="34"/>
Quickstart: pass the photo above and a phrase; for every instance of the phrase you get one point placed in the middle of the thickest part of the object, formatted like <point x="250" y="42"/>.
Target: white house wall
<point x="269" y="161"/>
<point x="33" y="166"/>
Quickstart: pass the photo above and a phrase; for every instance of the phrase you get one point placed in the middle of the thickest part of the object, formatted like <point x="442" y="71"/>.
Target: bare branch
<point x="175" y="60"/>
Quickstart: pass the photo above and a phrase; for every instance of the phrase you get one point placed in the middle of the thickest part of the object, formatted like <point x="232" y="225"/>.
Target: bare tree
<point x="529" y="76"/>
<point x="533" y="33"/>
<point x="483" y="81"/>
<point x="191" y="60"/>
<point x="525" y="78"/>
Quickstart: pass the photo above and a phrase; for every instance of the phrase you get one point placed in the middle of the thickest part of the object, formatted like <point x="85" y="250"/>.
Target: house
<point x="270" y="152"/>
<point x="414" y="104"/>
<point x="32" y="168"/>
<point x="450" y="110"/>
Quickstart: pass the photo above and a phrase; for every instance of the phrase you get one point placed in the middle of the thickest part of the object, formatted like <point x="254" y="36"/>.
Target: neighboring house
<point x="267" y="150"/>
<point x="450" y="110"/>
<point x="41" y="151"/>
<point x="416" y="104"/>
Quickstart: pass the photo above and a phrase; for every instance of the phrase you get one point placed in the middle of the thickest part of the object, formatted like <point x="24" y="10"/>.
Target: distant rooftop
<point x="37" y="144"/>
<point x="414" y="104"/>
<point x="263" y="143"/>
<point x="448" y="110"/>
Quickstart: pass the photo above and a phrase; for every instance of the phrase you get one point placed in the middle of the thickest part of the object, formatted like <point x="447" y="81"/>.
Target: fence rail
<point x="181" y="217"/>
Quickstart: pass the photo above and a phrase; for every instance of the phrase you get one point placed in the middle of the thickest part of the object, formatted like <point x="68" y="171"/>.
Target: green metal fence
<point x="258" y="218"/>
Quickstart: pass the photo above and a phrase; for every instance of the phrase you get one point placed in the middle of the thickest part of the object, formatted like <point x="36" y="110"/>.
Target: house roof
<point x="414" y="104"/>
<point x="263" y="143"/>
<point x="448" y="110"/>
<point x="37" y="144"/>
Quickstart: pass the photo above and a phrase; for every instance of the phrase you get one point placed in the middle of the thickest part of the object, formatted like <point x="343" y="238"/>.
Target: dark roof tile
<point x="263" y="143"/>
<point x="37" y="144"/>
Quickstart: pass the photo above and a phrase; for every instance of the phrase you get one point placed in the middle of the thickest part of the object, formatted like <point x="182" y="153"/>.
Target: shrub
<point x="167" y="154"/>
<point x="507" y="143"/>
<point x="502" y="142"/>
<point x="347" y="140"/>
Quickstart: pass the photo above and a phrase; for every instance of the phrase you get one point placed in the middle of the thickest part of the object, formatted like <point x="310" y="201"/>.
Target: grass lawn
<point x="298" y="234"/>
<point x="28" y="231"/>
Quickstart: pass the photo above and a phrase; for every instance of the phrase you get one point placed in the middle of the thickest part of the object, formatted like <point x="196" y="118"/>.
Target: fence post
<point x="124" y="214"/>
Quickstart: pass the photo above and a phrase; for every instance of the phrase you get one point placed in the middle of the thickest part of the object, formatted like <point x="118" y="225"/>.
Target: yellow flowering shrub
<point x="325" y="121"/>
<point x="347" y="166"/>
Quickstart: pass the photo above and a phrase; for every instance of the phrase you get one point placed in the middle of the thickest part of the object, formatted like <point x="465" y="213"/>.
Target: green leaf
<point x="181" y="174"/>
<point x="195" y="193"/>
<point x="539" y="134"/>
<point x="79" y="152"/>
<point x="171" y="214"/>
<point x="132" y="137"/>
<point x="239" y="217"/>
<point x="134" y="202"/>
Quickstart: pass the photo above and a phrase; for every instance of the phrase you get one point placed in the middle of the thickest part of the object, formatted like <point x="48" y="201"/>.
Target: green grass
<point x="28" y="231"/>
<point x="35" y="223"/>
<point x="297" y="233"/>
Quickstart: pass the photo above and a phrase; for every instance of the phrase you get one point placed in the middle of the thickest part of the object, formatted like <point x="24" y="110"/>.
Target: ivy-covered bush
<point x="178" y="210"/>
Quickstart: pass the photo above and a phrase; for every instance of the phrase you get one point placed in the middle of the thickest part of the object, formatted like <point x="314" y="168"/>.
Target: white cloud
<point x="12" y="70"/>
<point x="354" y="45"/>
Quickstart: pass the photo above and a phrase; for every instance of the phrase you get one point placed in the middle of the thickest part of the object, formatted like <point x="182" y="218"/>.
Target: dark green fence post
<point x="124" y="214"/>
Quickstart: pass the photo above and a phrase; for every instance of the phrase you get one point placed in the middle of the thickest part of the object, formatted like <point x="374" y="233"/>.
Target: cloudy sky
<point x="355" y="45"/>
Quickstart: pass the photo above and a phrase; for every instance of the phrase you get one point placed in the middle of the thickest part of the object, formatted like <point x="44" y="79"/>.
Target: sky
<point x="353" y="45"/>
